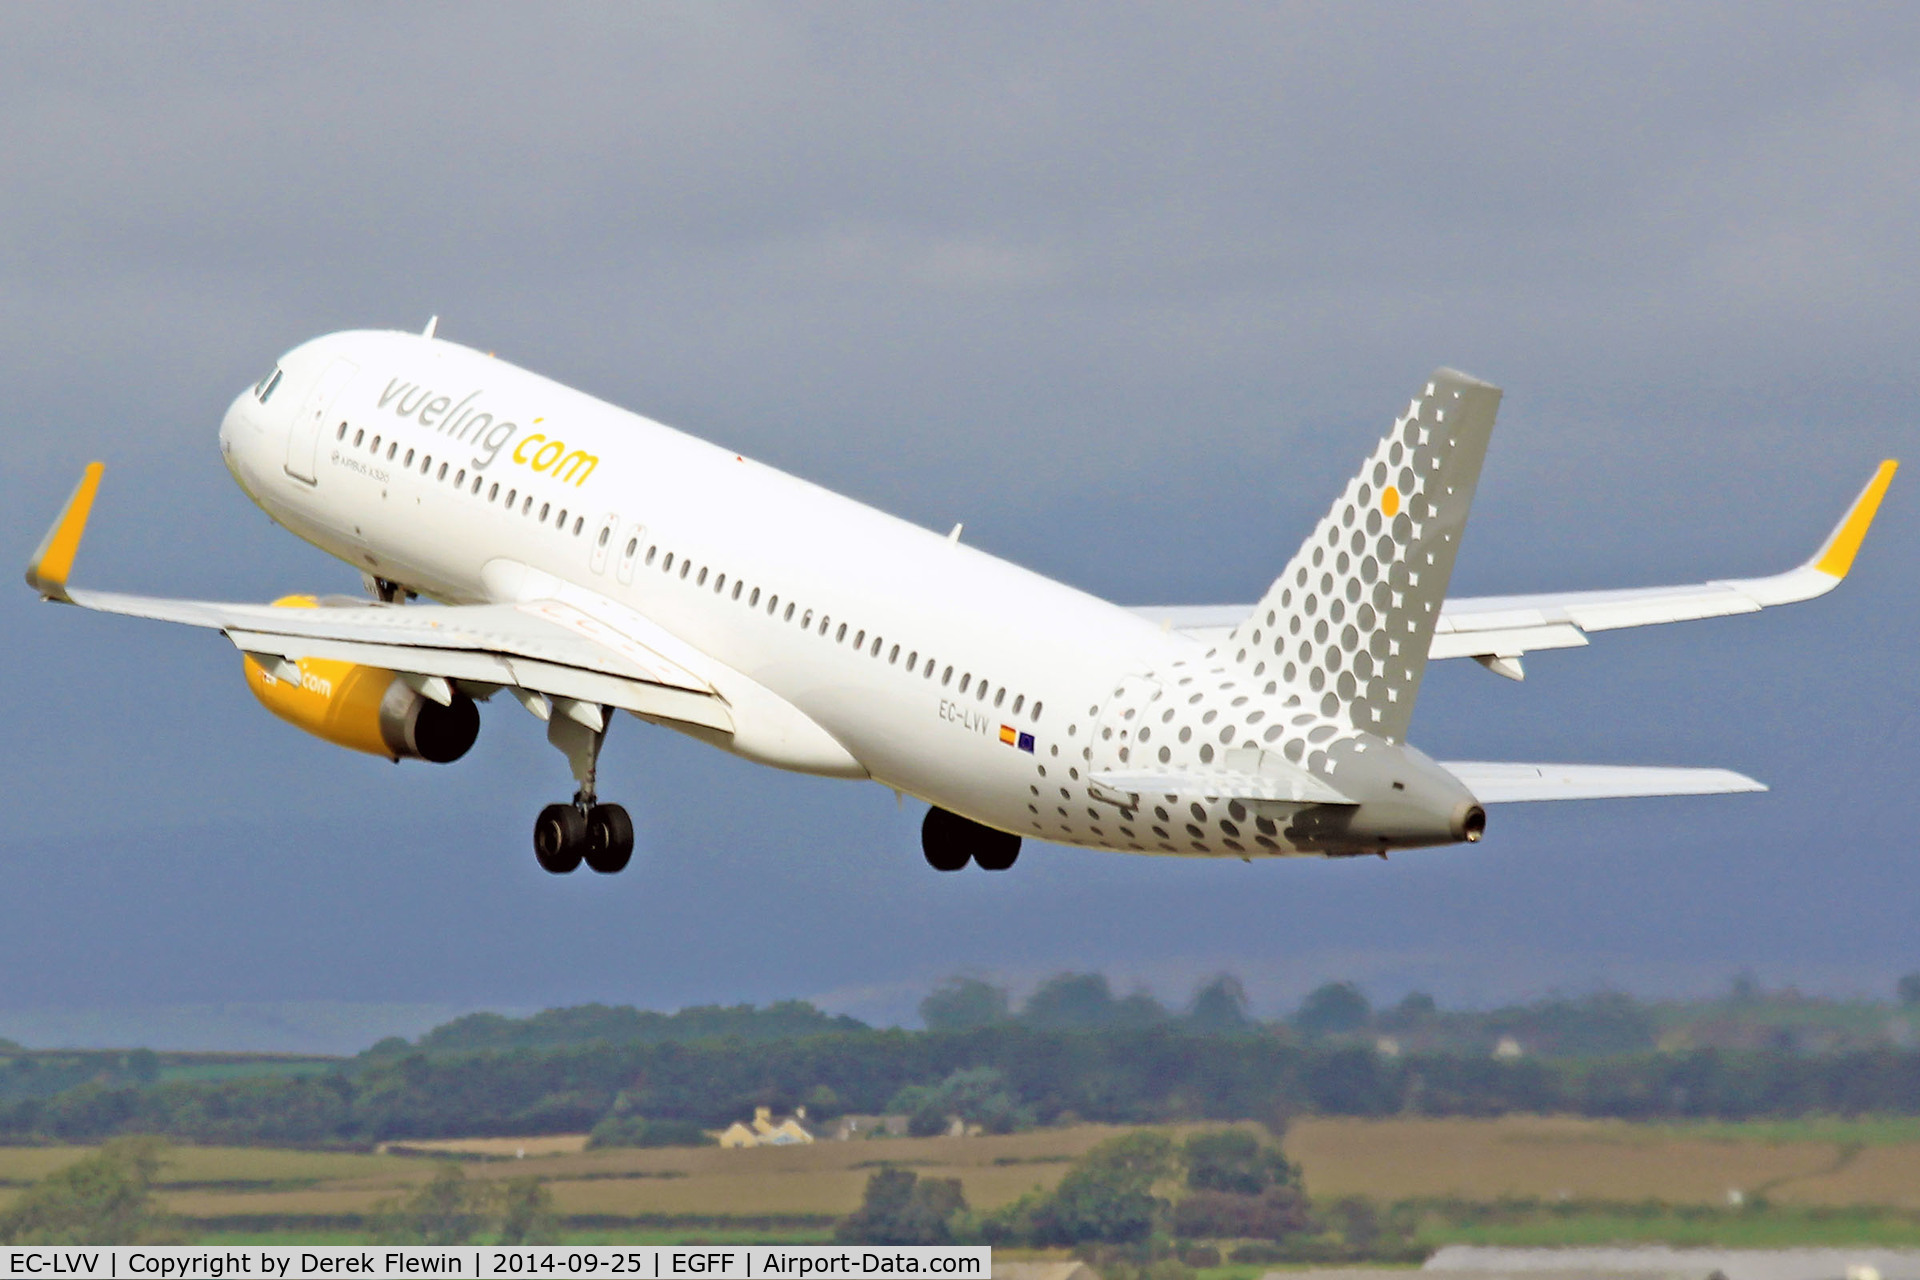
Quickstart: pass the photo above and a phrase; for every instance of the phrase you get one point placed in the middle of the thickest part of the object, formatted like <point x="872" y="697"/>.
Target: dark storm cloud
<point x="1127" y="288"/>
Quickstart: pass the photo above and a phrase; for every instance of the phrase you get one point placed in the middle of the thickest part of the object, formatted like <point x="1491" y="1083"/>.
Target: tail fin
<point x="1350" y="620"/>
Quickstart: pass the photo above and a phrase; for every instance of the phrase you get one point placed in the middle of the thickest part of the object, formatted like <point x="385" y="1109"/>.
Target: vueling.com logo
<point x="468" y="422"/>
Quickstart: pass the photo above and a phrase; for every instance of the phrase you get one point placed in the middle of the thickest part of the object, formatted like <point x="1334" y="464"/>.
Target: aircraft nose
<point x="239" y="435"/>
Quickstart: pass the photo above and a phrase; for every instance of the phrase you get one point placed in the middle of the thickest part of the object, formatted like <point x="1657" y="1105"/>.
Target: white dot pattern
<point x="1334" y="653"/>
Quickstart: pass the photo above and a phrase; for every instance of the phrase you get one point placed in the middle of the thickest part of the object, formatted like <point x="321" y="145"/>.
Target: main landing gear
<point x="951" y="841"/>
<point x="565" y="835"/>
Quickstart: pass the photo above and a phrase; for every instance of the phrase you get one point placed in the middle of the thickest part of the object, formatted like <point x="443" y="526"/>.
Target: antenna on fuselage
<point x="433" y="323"/>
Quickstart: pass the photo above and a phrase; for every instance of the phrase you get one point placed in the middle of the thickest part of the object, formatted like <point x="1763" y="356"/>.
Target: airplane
<point x="585" y="560"/>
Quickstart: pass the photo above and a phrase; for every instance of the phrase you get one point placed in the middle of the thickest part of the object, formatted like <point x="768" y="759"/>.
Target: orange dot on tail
<point x="1390" y="500"/>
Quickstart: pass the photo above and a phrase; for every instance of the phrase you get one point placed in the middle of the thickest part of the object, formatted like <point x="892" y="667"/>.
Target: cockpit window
<point x="265" y="388"/>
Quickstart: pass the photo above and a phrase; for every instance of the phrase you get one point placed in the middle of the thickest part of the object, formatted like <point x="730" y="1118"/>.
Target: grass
<point x="1772" y="1227"/>
<point x="1516" y="1180"/>
<point x="1866" y="1131"/>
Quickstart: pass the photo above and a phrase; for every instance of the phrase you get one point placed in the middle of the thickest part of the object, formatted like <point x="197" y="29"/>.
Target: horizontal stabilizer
<point x="1297" y="787"/>
<point x="1497" y="783"/>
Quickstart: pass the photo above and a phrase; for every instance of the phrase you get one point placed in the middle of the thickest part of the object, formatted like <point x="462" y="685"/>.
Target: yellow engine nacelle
<point x="366" y="709"/>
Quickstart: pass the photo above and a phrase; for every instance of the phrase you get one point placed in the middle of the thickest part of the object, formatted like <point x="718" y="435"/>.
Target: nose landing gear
<point x="565" y="835"/>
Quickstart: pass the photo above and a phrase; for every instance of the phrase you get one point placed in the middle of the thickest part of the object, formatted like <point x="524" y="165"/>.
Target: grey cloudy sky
<point x="1128" y="289"/>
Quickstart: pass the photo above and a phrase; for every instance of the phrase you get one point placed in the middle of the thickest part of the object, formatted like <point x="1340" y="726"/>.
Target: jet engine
<point x="367" y="709"/>
<point x="363" y="708"/>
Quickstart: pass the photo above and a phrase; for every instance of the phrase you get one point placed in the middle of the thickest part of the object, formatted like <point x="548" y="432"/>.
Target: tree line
<point x="1014" y="1074"/>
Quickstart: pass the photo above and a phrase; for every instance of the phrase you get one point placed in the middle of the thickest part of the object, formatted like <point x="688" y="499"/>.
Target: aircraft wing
<point x="1511" y="783"/>
<point x="1497" y="630"/>
<point x="545" y="646"/>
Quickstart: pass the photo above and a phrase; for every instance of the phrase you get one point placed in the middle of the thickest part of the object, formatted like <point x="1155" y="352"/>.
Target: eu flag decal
<point x="1026" y="743"/>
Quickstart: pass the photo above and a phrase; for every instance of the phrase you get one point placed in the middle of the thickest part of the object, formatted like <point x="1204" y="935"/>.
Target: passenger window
<point x="701" y="581"/>
<point x="392" y="449"/>
<point x="443" y="472"/>
<point x="460" y="478"/>
<point x="376" y="444"/>
<point x="1036" y="713"/>
<point x="511" y="495"/>
<point x="358" y="436"/>
<point x="409" y="461"/>
<point x="650" y="553"/>
<point x="806" y="619"/>
<point x="825" y="622"/>
<point x="775" y="602"/>
<point x="544" y="508"/>
<point x="840" y="636"/>
<point x="1000" y="697"/>
<point x="579" y="523"/>
<point x="893" y="658"/>
<point x="561" y="519"/>
<point x="493" y="491"/>
<point x="737" y="585"/>
<point x="753" y="601"/>
<point x="860" y="639"/>
<point x="1018" y="701"/>
<point x="720" y="584"/>
<point x="946" y="677"/>
<point x="343" y="432"/>
<point x="666" y="566"/>
<point x="476" y="487"/>
<point x="963" y="681"/>
<point x="526" y="508"/>
<point x="686" y="567"/>
<point x="981" y="694"/>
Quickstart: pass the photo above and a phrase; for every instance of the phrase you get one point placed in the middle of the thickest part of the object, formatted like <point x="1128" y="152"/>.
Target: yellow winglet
<point x="53" y="560"/>
<point x="1835" y="556"/>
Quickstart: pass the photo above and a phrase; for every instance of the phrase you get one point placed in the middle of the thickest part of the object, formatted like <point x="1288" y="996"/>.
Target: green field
<point x="1515" y="1180"/>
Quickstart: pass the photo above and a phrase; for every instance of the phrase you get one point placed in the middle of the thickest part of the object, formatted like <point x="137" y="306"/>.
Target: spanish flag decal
<point x="1008" y="735"/>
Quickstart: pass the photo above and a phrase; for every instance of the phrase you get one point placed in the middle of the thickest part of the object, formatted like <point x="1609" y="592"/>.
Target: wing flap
<point x="655" y="701"/>
<point x="1501" y="783"/>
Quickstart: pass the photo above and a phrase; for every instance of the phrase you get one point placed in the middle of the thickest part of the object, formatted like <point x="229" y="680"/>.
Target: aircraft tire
<point x="559" y="838"/>
<point x="609" y="839"/>
<point x="944" y="839"/>
<point x="995" y="850"/>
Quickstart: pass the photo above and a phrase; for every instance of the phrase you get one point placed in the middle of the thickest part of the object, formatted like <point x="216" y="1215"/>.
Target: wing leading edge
<point x="542" y="647"/>
<point x="1497" y="630"/>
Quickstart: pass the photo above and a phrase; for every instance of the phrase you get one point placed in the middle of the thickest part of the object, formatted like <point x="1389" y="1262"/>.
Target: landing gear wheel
<point x="609" y="842"/>
<point x="995" y="850"/>
<point x="560" y="838"/>
<point x="943" y="838"/>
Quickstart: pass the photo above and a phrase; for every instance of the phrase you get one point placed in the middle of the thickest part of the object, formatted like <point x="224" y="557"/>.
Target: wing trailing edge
<point x="1501" y="783"/>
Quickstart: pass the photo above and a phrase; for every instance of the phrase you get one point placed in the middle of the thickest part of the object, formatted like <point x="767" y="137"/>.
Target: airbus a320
<point x="582" y="560"/>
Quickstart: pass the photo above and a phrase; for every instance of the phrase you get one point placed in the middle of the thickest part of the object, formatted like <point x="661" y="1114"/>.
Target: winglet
<point x="53" y="560"/>
<point x="1836" y="554"/>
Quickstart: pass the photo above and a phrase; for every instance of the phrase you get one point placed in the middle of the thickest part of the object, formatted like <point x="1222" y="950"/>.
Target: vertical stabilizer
<point x="1349" y="622"/>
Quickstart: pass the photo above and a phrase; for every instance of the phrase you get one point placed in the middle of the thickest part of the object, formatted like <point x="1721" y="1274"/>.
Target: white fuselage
<point x="470" y="480"/>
